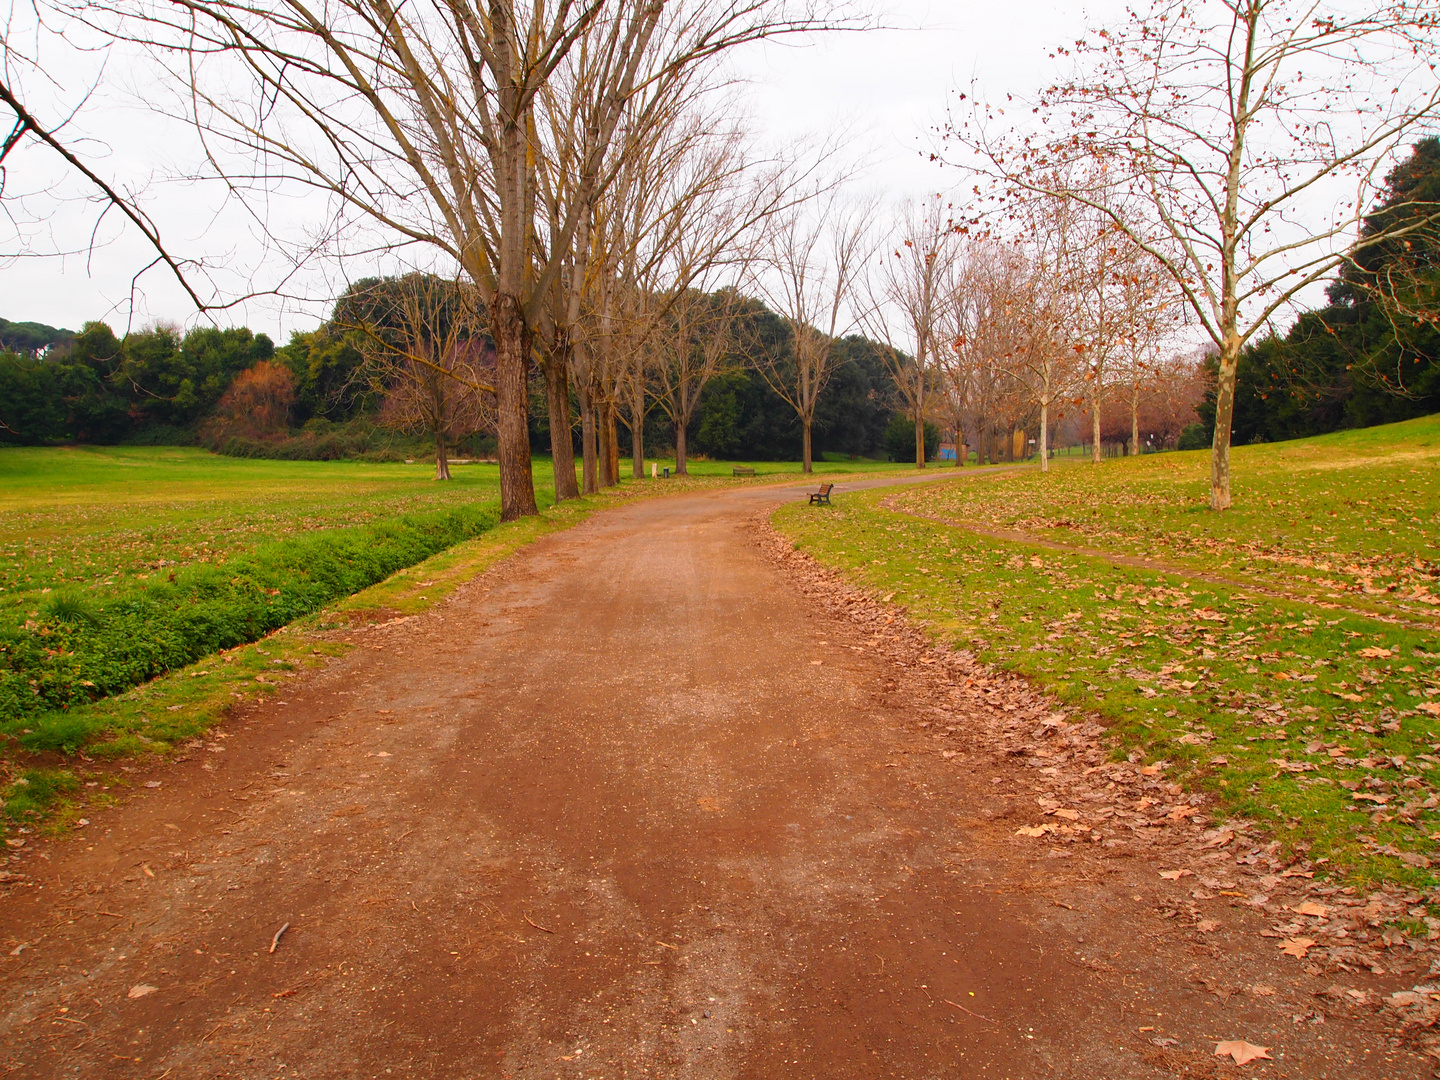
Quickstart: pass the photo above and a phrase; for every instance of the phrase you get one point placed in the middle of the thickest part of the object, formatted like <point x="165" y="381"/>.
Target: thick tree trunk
<point x="919" y="442"/>
<point x="680" y="450"/>
<point x="442" y="460"/>
<point x="589" y="456"/>
<point x="608" y="452"/>
<point x="637" y="432"/>
<point x="1224" y="415"/>
<point x="562" y="446"/>
<point x="511" y="335"/>
<point x="1044" y="436"/>
<point x="962" y="454"/>
<point x="614" y="441"/>
<point x="1134" y="428"/>
<point x="805" y="462"/>
<point x="1095" y="429"/>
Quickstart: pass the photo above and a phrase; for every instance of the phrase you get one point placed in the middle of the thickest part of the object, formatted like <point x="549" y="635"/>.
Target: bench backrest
<point x="825" y="488"/>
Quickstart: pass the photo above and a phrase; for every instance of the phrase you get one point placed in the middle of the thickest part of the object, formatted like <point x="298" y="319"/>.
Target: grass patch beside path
<point x="1319" y="723"/>
<point x="1348" y="519"/>
<point x="51" y="790"/>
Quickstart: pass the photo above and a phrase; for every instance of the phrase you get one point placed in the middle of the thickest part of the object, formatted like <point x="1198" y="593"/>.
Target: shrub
<point x="1194" y="437"/>
<point x="900" y="439"/>
<point x="64" y="661"/>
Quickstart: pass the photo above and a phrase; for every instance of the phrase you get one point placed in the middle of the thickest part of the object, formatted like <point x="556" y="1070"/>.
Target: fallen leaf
<point x="1431" y="707"/>
<point x="1175" y="875"/>
<point x="1350" y="697"/>
<point x="1220" y="839"/>
<point x="1150" y="770"/>
<point x="1068" y="815"/>
<point x="1241" y="1051"/>
<point x="1206" y="926"/>
<point x="1309" y="907"/>
<point x="1297" y="946"/>
<point x="1375" y="653"/>
<point x="1261" y="990"/>
<point x="1180" y="813"/>
<point x="382" y="753"/>
<point x="139" y="990"/>
<point x="1033" y="830"/>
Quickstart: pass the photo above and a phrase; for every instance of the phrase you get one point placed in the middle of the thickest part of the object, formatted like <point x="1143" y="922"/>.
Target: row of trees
<point x="1064" y="315"/>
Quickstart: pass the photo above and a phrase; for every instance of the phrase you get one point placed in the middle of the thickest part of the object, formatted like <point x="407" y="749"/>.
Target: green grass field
<point x="101" y="519"/>
<point x="1314" y="710"/>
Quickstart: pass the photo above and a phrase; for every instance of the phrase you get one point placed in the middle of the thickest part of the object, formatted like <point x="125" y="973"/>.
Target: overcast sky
<point x="888" y="87"/>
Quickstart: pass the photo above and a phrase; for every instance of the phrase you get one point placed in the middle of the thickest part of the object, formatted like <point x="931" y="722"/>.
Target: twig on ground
<point x="537" y="926"/>
<point x="275" y="941"/>
<point x="963" y="1009"/>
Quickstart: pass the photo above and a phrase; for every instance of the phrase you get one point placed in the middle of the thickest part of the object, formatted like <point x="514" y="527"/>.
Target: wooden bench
<point x="742" y="470"/>
<point x="822" y="496"/>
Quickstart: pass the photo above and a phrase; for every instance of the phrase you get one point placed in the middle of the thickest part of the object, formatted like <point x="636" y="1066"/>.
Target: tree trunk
<point x="442" y="461"/>
<point x="1224" y="415"/>
<point x="589" y="457"/>
<point x="562" y="447"/>
<point x="919" y="442"/>
<point x="637" y="432"/>
<point x="962" y="454"/>
<point x="680" y="450"/>
<point x="1134" y="427"/>
<point x="609" y="452"/>
<point x="512" y="398"/>
<point x="805" y="451"/>
<point x="613" y="433"/>
<point x="1095" y="428"/>
<point x="1044" y="436"/>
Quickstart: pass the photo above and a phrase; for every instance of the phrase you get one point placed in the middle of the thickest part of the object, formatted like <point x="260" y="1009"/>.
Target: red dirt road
<point x="632" y="806"/>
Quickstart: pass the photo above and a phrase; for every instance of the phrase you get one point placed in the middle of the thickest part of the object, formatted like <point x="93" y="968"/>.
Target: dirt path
<point x="642" y="806"/>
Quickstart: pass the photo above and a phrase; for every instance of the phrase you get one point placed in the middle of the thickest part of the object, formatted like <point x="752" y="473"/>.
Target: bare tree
<point x="426" y="357"/>
<point x="418" y="122"/>
<point x="911" y="286"/>
<point x="1044" y="284"/>
<point x="1234" y="124"/>
<point x="815" y="253"/>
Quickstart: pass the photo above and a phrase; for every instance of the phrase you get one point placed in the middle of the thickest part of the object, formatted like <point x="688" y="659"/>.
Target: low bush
<point x="62" y="658"/>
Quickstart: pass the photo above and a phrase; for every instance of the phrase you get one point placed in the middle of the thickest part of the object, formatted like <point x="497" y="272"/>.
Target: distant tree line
<point x="336" y="391"/>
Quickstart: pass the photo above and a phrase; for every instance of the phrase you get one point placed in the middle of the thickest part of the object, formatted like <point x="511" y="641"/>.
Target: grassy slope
<point x="1319" y="721"/>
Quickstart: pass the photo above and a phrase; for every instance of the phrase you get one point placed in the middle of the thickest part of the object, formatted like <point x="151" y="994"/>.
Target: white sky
<point x="888" y="87"/>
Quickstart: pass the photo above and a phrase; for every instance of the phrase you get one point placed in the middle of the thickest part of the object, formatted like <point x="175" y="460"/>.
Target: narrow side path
<point x="634" y="804"/>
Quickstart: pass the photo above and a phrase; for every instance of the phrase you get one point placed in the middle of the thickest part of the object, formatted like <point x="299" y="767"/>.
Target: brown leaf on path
<point x="1176" y="875"/>
<point x="1220" y="839"/>
<point x="1309" y="907"/>
<point x="1241" y="1051"/>
<point x="1206" y="926"/>
<point x="139" y="990"/>
<point x="1297" y="946"/>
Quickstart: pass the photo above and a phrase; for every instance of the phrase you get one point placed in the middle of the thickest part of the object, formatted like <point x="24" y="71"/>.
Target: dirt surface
<point x="657" y="798"/>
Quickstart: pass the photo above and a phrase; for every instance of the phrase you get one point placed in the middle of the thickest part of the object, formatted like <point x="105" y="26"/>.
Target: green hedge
<point x="63" y="660"/>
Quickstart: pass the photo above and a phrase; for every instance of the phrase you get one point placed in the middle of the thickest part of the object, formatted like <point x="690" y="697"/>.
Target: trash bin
<point x="667" y="472"/>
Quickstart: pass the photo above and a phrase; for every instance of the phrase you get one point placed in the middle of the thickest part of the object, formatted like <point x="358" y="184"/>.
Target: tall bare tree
<point x="910" y="288"/>
<point x="814" y="256"/>
<point x="1253" y="133"/>
<point x="419" y="122"/>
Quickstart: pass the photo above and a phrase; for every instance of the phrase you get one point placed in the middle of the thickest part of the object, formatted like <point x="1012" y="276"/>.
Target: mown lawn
<point x="1318" y="720"/>
<point x="1350" y="518"/>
